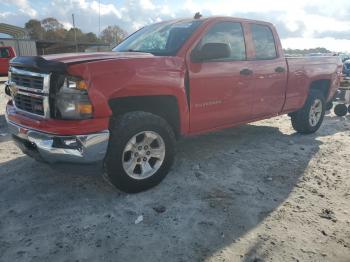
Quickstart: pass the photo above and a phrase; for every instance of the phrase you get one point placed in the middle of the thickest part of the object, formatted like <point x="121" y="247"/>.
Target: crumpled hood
<point x="59" y="63"/>
<point x="73" y="58"/>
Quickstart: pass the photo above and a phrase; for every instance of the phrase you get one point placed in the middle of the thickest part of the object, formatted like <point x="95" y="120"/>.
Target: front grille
<point x="30" y="104"/>
<point x="33" y="82"/>
<point x="30" y="91"/>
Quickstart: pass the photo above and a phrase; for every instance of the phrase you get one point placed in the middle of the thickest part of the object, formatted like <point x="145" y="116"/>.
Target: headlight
<point x="73" y="82"/>
<point x="72" y="100"/>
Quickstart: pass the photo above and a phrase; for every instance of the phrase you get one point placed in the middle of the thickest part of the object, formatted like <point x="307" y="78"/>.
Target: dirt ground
<point x="259" y="192"/>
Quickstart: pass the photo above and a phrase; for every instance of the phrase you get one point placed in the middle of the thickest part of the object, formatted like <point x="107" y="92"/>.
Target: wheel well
<point x="163" y="106"/>
<point x="322" y="85"/>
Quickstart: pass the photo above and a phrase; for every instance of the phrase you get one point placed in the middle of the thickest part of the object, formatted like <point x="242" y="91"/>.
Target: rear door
<point x="270" y="70"/>
<point x="220" y="94"/>
<point x="5" y="56"/>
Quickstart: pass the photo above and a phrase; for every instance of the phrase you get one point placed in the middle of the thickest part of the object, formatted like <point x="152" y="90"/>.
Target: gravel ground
<point x="259" y="192"/>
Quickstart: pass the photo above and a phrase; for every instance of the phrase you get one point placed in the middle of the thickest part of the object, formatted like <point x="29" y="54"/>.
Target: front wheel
<point x="140" y="151"/>
<point x="308" y="119"/>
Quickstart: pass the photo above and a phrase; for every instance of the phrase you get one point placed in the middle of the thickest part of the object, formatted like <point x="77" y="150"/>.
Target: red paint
<point x="220" y="96"/>
<point x="58" y="127"/>
<point x="4" y="61"/>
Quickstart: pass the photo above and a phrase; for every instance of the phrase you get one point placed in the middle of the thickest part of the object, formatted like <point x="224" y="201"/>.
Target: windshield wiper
<point x="139" y="51"/>
<point x="133" y="50"/>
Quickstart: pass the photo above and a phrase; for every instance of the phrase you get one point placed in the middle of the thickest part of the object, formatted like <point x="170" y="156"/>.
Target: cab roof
<point x="217" y="18"/>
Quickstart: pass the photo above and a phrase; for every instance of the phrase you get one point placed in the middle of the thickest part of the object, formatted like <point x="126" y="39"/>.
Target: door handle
<point x="246" y="72"/>
<point x="280" y="69"/>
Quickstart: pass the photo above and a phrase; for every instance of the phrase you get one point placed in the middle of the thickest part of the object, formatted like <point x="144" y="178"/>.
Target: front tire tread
<point x="122" y="129"/>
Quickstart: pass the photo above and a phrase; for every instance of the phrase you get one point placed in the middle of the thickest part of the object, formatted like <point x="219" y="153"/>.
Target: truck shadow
<point x="222" y="185"/>
<point x="4" y="135"/>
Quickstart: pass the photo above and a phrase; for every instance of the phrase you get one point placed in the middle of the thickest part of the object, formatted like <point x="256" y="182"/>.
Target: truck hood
<point x="74" y="58"/>
<point x="59" y="63"/>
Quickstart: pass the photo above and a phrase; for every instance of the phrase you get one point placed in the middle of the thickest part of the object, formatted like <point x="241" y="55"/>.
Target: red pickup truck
<point x="167" y="80"/>
<point x="6" y="54"/>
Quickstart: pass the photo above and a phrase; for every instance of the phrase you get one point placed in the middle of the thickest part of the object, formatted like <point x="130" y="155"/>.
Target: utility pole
<point x="99" y="23"/>
<point x="75" y="35"/>
<point x="99" y="18"/>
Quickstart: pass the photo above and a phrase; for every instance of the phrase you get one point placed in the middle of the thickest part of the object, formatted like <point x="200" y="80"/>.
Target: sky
<point x="300" y="23"/>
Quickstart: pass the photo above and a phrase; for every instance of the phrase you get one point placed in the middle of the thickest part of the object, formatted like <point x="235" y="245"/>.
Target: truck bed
<point x="305" y="70"/>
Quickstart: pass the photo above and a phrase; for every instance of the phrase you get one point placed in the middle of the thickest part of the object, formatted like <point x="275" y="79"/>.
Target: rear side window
<point x="4" y="53"/>
<point x="229" y="33"/>
<point x="264" y="42"/>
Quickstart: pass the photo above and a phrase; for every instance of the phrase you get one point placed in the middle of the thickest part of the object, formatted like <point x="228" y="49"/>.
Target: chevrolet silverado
<point x="167" y="80"/>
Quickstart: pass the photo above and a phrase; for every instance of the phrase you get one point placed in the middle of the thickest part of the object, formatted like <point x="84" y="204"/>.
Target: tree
<point x="51" y="29"/>
<point x="81" y="37"/>
<point x="317" y="50"/>
<point x="90" y="38"/>
<point x="51" y="24"/>
<point x="35" y="29"/>
<point x="113" y="34"/>
<point x="70" y="36"/>
<point x="55" y="35"/>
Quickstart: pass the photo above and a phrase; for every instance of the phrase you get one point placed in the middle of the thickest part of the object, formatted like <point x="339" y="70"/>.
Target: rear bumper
<point x="87" y="148"/>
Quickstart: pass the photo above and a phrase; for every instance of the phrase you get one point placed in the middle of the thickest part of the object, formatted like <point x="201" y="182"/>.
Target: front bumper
<point x="51" y="148"/>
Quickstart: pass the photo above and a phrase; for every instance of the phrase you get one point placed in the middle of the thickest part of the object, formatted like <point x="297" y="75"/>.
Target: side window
<point x="4" y="53"/>
<point x="264" y="42"/>
<point x="229" y="33"/>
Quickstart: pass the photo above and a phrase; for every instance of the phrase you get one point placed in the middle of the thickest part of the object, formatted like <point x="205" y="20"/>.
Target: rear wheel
<point x="340" y="110"/>
<point x="308" y="119"/>
<point x="140" y="151"/>
<point x="349" y="108"/>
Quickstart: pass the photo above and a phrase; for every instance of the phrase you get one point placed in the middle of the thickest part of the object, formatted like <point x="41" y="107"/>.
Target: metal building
<point x="20" y="42"/>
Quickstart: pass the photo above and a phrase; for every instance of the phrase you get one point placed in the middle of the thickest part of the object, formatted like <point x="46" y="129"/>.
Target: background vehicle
<point x="344" y="57"/>
<point x="167" y="80"/>
<point x="6" y="54"/>
<point x="342" y="98"/>
<point x="346" y="68"/>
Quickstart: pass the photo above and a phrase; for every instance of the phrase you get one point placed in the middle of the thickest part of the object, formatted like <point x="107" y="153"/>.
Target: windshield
<point x="159" y="39"/>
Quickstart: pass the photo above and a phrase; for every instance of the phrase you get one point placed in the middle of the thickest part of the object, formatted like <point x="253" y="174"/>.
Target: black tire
<point x="122" y="129"/>
<point x="301" y="118"/>
<point x="349" y="108"/>
<point x="329" y="106"/>
<point x="340" y="110"/>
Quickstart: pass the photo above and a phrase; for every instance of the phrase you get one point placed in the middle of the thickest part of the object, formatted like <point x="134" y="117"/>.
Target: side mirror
<point x="211" y="51"/>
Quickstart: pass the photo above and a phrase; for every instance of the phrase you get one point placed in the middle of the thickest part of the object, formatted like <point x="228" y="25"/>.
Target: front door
<point x="221" y="89"/>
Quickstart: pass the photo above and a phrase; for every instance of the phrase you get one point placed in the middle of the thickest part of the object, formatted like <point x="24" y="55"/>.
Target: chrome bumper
<point x="53" y="148"/>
